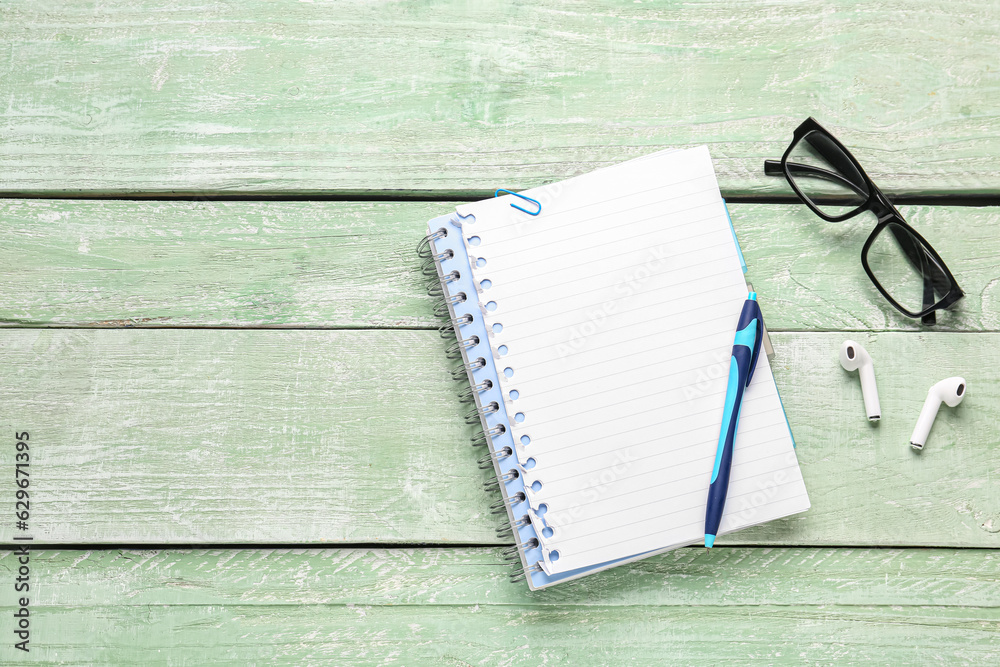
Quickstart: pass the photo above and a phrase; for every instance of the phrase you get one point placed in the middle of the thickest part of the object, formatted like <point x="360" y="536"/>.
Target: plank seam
<point x="361" y="546"/>
<point x="974" y="199"/>
<point x="15" y="325"/>
<point x="530" y="604"/>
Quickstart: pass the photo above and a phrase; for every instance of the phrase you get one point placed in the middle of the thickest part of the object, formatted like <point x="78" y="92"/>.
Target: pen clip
<point x="758" y="319"/>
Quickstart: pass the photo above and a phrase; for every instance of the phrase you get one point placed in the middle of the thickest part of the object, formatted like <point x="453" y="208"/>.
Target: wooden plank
<point x="250" y="437"/>
<point x="306" y="437"/>
<point x="352" y="264"/>
<point x="809" y="274"/>
<point x="455" y="606"/>
<point x="303" y="264"/>
<point x="456" y="96"/>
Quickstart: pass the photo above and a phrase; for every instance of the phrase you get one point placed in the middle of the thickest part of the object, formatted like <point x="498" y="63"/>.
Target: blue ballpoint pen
<point x="746" y="348"/>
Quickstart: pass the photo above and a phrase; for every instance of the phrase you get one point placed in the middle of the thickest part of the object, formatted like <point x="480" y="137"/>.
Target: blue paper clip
<point x="533" y="201"/>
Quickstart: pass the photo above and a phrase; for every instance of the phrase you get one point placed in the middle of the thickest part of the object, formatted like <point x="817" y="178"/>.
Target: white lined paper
<point x="618" y="306"/>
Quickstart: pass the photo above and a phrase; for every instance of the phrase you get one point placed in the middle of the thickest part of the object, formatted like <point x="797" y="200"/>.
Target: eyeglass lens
<point x="908" y="273"/>
<point x="825" y="175"/>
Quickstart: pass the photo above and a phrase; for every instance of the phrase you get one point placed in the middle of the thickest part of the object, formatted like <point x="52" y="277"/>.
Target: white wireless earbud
<point x="853" y="357"/>
<point x="950" y="391"/>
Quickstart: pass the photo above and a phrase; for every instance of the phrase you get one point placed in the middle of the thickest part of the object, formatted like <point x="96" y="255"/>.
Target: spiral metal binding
<point x="442" y="256"/>
<point x="463" y="370"/>
<point x="513" y="554"/>
<point x="486" y="460"/>
<point x="520" y="574"/>
<point x="500" y="506"/>
<point x="507" y="530"/>
<point x="454" y="350"/>
<point x="473" y="416"/>
<point x="443" y="303"/>
<point x="428" y="267"/>
<point x="468" y="394"/>
<point x="437" y="286"/>
<point x="496" y="482"/>
<point x="448" y="328"/>
<point x="482" y="437"/>
<point x="424" y="247"/>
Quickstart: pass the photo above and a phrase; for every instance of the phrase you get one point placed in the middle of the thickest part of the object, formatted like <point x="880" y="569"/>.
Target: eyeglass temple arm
<point x="773" y="168"/>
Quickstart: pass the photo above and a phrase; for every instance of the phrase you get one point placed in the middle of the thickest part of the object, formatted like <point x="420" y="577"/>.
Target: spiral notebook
<point x="595" y="338"/>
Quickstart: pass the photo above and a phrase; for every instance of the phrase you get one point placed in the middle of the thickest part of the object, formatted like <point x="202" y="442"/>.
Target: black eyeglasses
<point x="901" y="264"/>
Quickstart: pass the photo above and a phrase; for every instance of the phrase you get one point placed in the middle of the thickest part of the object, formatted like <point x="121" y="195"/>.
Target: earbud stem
<point x="927" y="415"/>
<point x="870" y="392"/>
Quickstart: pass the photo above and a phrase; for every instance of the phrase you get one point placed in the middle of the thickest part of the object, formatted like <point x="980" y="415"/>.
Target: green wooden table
<point x="214" y="330"/>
